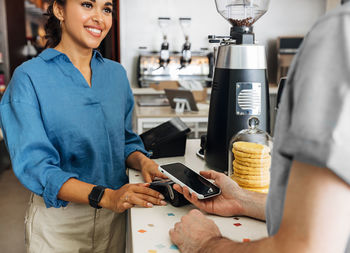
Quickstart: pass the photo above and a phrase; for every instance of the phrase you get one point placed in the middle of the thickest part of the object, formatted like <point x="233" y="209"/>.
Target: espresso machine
<point x="240" y="87"/>
<point x="173" y="67"/>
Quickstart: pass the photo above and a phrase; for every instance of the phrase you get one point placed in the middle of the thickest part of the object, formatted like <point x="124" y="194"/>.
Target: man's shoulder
<point x="328" y="32"/>
<point x="339" y="14"/>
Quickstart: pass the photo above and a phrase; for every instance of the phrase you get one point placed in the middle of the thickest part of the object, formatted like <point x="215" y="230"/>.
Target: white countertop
<point x="150" y="226"/>
<point x="150" y="91"/>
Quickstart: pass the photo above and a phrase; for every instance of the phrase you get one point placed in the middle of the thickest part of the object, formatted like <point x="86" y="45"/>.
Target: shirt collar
<point x="50" y="53"/>
<point x="96" y="54"/>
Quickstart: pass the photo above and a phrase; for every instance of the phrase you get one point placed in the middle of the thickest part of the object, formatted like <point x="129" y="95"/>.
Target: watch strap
<point x="96" y="195"/>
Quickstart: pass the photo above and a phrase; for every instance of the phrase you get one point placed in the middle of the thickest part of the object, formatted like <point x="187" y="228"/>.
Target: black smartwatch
<point x="96" y="195"/>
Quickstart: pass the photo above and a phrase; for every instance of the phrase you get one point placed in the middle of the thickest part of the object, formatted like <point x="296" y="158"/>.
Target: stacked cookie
<point x="251" y="166"/>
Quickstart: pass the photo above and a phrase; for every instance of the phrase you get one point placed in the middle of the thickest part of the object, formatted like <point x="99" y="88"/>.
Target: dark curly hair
<point x="53" y="27"/>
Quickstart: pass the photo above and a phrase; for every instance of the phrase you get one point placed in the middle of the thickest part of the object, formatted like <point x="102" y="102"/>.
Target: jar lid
<point x="254" y="134"/>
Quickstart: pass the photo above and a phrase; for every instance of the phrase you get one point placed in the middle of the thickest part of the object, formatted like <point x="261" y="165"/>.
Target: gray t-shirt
<point x="313" y="122"/>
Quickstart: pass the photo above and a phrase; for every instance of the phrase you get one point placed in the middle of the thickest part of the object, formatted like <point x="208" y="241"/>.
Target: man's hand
<point x="226" y="204"/>
<point x="193" y="232"/>
<point x="233" y="200"/>
<point x="316" y="218"/>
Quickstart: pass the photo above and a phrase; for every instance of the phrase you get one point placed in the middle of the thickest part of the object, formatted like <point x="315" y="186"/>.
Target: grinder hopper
<point x="242" y="12"/>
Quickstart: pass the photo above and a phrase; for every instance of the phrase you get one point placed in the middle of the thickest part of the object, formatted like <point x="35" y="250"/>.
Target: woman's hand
<point x="130" y="195"/>
<point x="150" y="170"/>
<point x="226" y="204"/>
<point x="148" y="167"/>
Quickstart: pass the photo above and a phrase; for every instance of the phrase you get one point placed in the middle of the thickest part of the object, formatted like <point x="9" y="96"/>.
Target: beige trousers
<point x="76" y="228"/>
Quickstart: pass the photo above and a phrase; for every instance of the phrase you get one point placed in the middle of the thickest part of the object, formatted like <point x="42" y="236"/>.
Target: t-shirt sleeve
<point x="34" y="159"/>
<point x="318" y="131"/>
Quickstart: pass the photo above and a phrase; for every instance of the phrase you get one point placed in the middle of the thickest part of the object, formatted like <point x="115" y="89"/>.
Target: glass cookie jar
<point x="249" y="157"/>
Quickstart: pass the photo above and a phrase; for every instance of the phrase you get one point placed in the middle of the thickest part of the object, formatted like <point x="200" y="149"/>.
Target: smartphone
<point x="184" y="176"/>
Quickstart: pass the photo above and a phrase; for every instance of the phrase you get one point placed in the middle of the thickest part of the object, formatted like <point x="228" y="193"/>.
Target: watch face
<point x="96" y="195"/>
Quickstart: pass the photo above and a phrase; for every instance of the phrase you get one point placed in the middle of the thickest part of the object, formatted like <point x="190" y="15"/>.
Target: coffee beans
<point x="242" y="22"/>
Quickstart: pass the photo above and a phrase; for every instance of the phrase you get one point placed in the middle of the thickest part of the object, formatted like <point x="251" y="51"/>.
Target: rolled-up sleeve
<point x="35" y="160"/>
<point x="133" y="141"/>
<point x="322" y="142"/>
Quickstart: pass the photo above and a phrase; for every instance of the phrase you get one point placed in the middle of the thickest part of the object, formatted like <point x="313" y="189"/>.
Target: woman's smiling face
<point x="85" y="22"/>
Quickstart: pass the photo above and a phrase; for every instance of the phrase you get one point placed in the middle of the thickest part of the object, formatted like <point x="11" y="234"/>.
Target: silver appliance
<point x="149" y="70"/>
<point x="155" y="67"/>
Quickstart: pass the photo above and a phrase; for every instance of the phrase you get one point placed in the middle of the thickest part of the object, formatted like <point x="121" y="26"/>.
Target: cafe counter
<point x="148" y="228"/>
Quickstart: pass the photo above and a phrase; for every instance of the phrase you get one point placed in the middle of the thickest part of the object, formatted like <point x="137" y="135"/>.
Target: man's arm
<point x="233" y="200"/>
<point x="316" y="217"/>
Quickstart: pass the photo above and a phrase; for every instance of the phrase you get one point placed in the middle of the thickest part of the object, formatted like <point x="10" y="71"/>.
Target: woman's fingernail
<point x="149" y="205"/>
<point x="163" y="203"/>
<point x="161" y="196"/>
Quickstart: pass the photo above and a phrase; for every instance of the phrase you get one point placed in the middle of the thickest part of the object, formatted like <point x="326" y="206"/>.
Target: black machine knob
<point x="214" y="41"/>
<point x="242" y="34"/>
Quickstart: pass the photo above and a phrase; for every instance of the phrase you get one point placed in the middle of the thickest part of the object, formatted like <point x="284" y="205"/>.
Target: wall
<point x="139" y="25"/>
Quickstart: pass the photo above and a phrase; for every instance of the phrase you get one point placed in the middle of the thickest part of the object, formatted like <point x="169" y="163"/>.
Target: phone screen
<point x="191" y="179"/>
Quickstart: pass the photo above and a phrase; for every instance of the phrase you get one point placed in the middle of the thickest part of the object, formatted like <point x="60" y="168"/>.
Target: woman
<point x="66" y="118"/>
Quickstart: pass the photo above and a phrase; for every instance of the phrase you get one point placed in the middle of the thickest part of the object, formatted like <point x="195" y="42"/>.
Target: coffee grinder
<point x="240" y="87"/>
<point x="186" y="54"/>
<point x="164" y="57"/>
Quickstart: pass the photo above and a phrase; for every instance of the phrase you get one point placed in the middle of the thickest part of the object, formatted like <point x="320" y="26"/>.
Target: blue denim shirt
<point x="56" y="127"/>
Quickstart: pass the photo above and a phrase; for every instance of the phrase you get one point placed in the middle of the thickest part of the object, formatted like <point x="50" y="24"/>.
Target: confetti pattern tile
<point x="174" y="247"/>
<point x="150" y="226"/>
